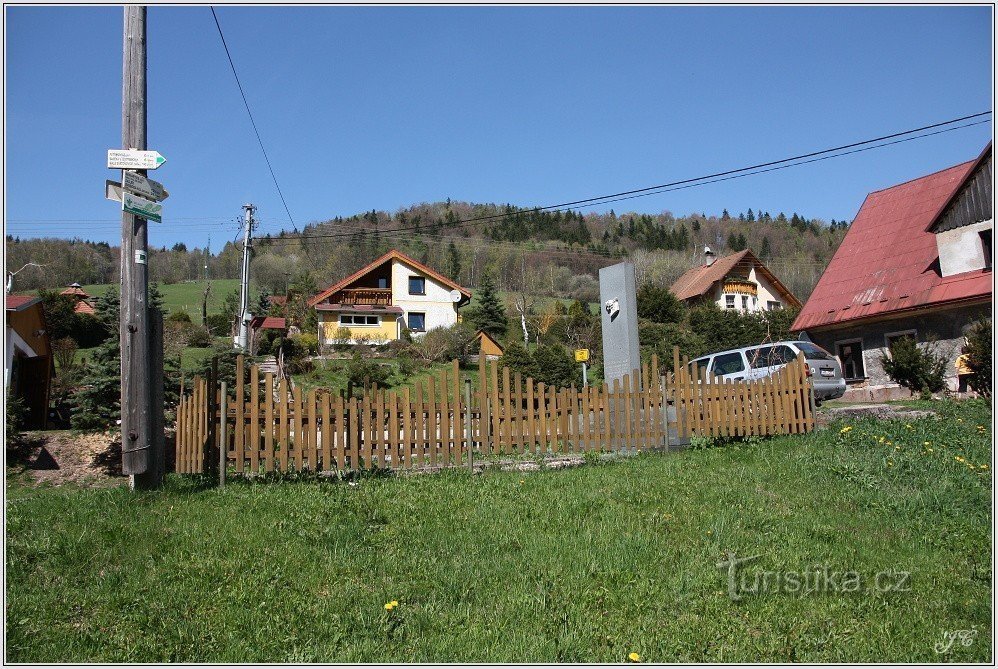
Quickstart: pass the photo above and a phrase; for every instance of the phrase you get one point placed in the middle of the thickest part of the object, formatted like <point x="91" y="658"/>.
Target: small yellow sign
<point x="582" y="355"/>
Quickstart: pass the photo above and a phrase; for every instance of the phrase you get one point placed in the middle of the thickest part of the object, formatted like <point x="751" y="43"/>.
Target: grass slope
<point x="186" y="296"/>
<point x="583" y="565"/>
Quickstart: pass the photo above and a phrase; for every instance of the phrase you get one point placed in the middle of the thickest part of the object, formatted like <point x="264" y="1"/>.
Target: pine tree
<point x="742" y="242"/>
<point x="725" y="216"/>
<point x="453" y="261"/>
<point x="750" y="216"/>
<point x="490" y="314"/>
<point x="765" y="251"/>
<point x="732" y="242"/>
<point x="97" y="400"/>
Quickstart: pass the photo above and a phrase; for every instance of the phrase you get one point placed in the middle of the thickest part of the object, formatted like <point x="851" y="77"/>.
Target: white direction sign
<point x="118" y="159"/>
<point x="112" y="190"/>
<point x="147" y="209"/>
<point x="139" y="185"/>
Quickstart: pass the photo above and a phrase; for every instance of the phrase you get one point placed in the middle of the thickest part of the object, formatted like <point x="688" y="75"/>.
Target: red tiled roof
<point x="396" y="255"/>
<point x="888" y="260"/>
<point x="268" y="323"/>
<point x="74" y="289"/>
<point x="19" y="302"/>
<point x="84" y="307"/>
<point x="698" y="280"/>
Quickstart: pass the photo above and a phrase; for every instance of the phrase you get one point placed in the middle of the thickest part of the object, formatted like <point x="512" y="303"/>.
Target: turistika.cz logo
<point x="821" y="580"/>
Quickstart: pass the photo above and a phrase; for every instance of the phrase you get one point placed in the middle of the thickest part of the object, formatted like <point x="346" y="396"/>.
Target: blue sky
<point x="380" y="107"/>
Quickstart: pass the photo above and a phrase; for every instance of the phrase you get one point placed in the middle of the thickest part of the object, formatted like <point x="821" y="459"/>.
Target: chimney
<point x="708" y="256"/>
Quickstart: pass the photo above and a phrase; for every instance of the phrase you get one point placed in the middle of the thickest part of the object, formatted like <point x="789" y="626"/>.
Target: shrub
<point x="296" y="349"/>
<point x="658" y="304"/>
<point x="518" y="359"/>
<point x="978" y="351"/>
<point x="446" y="343"/>
<point x="919" y="369"/>
<point x="197" y="336"/>
<point x="16" y="413"/>
<point x="220" y="325"/>
<point x="364" y="371"/>
<point x="179" y="317"/>
<point x="556" y="366"/>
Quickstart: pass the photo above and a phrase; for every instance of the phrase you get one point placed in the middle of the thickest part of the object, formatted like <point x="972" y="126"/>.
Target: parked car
<point x="755" y="362"/>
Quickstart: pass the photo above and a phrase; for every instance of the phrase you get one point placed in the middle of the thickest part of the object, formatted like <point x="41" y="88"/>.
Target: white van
<point x="756" y="362"/>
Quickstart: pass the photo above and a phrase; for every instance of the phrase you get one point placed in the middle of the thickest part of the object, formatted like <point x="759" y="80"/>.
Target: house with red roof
<point x="916" y="262"/>
<point x="739" y="282"/>
<point x="28" y="364"/>
<point x="83" y="303"/>
<point x="377" y="302"/>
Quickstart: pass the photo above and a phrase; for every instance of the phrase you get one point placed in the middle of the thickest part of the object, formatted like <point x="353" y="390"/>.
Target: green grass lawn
<point x="581" y="565"/>
<point x="332" y="374"/>
<point x="187" y="296"/>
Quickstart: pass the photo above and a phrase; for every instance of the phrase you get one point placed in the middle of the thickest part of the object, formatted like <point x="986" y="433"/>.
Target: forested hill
<point x="540" y="252"/>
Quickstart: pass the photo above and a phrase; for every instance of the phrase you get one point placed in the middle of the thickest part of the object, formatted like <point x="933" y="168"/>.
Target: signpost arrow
<point x="112" y="190"/>
<point x="133" y="204"/>
<point x="140" y="185"/>
<point x="118" y="159"/>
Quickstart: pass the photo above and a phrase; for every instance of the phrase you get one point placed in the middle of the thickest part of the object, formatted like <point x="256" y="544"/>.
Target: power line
<point x="709" y="178"/>
<point x="255" y="130"/>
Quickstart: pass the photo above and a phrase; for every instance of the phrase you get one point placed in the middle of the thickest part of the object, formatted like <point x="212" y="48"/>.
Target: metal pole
<point x="467" y="425"/>
<point x="585" y="379"/>
<point x="136" y="441"/>
<point x="244" y="284"/>
<point x="223" y="445"/>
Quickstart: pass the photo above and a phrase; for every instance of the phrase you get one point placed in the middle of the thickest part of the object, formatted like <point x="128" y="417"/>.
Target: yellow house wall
<point x="329" y="322"/>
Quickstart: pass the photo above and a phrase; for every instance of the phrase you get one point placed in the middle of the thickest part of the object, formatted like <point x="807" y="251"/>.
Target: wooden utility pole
<point x="137" y="443"/>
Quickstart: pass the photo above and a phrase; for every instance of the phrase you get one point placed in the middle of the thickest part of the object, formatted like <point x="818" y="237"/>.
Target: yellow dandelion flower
<point x="847" y="428"/>
<point x="958" y="458"/>
<point x="890" y="464"/>
<point x="634" y="657"/>
<point x="926" y="443"/>
<point x="929" y="450"/>
<point x="897" y="448"/>
<point x="983" y="467"/>
<point x="881" y="440"/>
<point x="909" y="427"/>
<point x="389" y="606"/>
<point x="959" y="420"/>
<point x="394" y="603"/>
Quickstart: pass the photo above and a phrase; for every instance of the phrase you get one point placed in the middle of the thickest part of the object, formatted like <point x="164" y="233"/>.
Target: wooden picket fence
<point x="447" y="423"/>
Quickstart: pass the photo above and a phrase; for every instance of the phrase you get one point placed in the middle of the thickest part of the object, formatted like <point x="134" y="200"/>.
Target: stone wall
<point x="946" y="328"/>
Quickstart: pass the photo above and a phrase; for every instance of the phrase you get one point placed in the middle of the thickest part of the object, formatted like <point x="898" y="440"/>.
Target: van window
<point x="699" y="363"/>
<point x="812" y="352"/>
<point x="771" y="356"/>
<point x="727" y="363"/>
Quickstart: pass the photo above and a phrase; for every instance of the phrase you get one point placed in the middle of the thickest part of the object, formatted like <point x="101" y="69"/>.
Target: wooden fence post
<point x="223" y="445"/>
<point x="467" y="425"/>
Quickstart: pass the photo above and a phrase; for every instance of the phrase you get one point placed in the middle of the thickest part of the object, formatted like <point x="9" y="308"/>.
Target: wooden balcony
<point x="380" y="297"/>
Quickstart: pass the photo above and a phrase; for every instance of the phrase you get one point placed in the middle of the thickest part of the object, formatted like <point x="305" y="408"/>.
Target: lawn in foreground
<point x="589" y="564"/>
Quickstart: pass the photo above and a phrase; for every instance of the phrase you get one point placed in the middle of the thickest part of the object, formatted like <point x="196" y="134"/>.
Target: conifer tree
<point x="490" y="314"/>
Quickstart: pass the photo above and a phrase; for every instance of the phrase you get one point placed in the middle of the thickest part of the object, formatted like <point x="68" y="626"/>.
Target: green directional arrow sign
<point x="139" y="206"/>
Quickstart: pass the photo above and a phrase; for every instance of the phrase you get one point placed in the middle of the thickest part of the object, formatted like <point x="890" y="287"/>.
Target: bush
<point x="658" y="304"/>
<point x="919" y="369"/>
<point x="518" y="359"/>
<point x="220" y="325"/>
<point x="556" y="366"/>
<point x="179" y="317"/>
<point x="446" y="343"/>
<point x="197" y="336"/>
<point x="978" y="351"/>
<point x="16" y="413"/>
<point x="363" y="372"/>
<point x="296" y="349"/>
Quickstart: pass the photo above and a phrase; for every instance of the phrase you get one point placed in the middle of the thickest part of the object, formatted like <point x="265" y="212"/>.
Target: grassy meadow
<point x="583" y="565"/>
<point x="184" y="296"/>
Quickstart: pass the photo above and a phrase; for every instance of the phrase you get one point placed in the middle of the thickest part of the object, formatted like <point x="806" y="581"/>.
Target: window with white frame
<point x="744" y="302"/>
<point x="353" y="320"/>
<point x="773" y="305"/>
<point x="729" y="301"/>
<point x="417" y="321"/>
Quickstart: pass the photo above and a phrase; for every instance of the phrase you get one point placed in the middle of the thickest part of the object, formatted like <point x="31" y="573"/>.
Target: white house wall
<point x="440" y="310"/>
<point x="960" y="249"/>
<point x="766" y="293"/>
